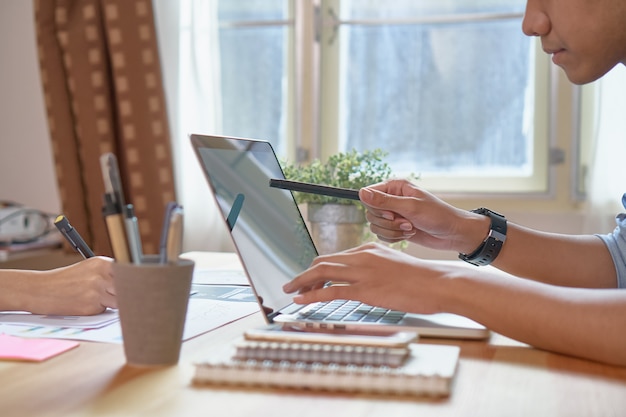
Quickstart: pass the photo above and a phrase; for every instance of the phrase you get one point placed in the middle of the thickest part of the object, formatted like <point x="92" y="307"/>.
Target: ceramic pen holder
<point x="152" y="300"/>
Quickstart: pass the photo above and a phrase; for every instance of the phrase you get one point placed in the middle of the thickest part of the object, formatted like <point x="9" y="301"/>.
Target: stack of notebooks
<point x="338" y="363"/>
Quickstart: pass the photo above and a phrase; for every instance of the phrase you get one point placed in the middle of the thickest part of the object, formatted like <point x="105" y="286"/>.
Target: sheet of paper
<point x="220" y="268"/>
<point x="215" y="260"/>
<point x="203" y="315"/>
<point x="27" y="349"/>
<point x="237" y="293"/>
<point x="79" y="322"/>
<point x="109" y="334"/>
<point x="220" y="276"/>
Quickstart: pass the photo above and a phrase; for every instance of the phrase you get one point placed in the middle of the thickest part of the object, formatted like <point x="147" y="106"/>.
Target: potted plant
<point x="336" y="223"/>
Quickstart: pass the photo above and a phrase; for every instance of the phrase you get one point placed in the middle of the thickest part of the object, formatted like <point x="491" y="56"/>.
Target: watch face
<point x="485" y="211"/>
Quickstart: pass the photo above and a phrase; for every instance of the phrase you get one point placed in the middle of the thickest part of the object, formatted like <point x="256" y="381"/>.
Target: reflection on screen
<point x="267" y="226"/>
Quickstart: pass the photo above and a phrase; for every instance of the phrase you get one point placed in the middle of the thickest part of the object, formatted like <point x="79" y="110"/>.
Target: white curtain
<point x="607" y="179"/>
<point x="189" y="44"/>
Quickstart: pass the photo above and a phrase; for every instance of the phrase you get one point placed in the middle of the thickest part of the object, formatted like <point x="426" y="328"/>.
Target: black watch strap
<point x="487" y="252"/>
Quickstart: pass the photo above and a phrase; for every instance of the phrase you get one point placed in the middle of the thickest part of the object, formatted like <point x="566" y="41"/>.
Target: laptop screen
<point x="266" y="225"/>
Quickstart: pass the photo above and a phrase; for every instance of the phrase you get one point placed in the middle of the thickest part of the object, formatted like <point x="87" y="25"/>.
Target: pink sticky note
<point x="36" y="350"/>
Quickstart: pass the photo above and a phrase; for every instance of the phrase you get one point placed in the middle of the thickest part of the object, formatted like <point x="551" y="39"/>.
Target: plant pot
<point x="336" y="227"/>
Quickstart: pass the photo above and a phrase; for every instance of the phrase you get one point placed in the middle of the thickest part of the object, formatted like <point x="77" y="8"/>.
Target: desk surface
<point x="498" y="377"/>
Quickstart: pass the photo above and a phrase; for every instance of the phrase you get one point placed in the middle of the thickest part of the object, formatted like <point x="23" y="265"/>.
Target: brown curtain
<point x="103" y="90"/>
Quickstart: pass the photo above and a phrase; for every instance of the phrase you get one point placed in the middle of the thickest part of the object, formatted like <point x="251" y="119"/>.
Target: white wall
<point x="26" y="167"/>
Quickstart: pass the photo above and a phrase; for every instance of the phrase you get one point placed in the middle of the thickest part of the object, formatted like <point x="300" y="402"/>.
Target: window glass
<point x="442" y="98"/>
<point x="253" y="58"/>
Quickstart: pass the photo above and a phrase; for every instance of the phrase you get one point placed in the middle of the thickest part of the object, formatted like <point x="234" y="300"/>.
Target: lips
<point x="555" y="53"/>
<point x="556" y="56"/>
<point x="550" y="51"/>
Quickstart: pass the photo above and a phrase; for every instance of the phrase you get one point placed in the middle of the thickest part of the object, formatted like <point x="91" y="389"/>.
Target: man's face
<point x="586" y="38"/>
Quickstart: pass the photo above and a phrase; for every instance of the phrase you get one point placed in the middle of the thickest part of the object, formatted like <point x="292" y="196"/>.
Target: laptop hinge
<point x="271" y="316"/>
<point x="290" y="309"/>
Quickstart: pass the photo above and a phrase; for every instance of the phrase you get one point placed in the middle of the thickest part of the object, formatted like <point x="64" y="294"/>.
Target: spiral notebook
<point x="429" y="370"/>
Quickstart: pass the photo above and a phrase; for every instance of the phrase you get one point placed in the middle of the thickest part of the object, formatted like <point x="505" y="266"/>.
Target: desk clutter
<point x="25" y="231"/>
<point x="333" y="363"/>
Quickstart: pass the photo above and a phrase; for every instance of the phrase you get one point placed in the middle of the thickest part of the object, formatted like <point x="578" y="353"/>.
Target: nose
<point x="536" y="21"/>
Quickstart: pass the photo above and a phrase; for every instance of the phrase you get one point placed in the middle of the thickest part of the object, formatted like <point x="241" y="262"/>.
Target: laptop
<point x="274" y="245"/>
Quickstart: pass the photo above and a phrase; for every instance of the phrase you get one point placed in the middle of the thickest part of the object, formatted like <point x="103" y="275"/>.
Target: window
<point x="449" y="88"/>
<point x="254" y="56"/>
<point x="453" y="90"/>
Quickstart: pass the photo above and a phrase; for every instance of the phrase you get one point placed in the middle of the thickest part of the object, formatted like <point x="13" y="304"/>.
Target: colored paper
<point x="36" y="350"/>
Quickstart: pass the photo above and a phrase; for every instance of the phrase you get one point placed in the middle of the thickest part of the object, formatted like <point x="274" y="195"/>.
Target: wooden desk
<point x="499" y="377"/>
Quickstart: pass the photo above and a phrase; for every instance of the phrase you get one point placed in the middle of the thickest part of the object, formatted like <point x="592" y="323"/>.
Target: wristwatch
<point x="487" y="252"/>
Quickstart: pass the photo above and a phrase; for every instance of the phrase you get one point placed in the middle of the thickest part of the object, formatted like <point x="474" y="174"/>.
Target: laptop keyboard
<point x="351" y="311"/>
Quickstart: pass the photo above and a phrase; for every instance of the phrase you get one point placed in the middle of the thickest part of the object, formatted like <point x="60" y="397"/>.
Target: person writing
<point x="556" y="284"/>
<point x="83" y="288"/>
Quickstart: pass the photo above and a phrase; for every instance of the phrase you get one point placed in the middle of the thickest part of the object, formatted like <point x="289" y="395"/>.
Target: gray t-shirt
<point x="616" y="242"/>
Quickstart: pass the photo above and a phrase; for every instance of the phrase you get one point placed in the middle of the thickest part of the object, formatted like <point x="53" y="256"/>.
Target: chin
<point x="580" y="80"/>
<point x="580" y="76"/>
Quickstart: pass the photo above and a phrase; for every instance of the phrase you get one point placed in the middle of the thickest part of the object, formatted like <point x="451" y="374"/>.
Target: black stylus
<point x="305" y="187"/>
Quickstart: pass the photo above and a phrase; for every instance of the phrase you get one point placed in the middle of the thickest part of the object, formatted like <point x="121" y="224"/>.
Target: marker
<point x="132" y="232"/>
<point x="72" y="236"/>
<point x="305" y="187"/>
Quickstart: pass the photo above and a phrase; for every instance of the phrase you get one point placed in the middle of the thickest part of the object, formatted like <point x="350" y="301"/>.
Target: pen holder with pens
<point x="152" y="300"/>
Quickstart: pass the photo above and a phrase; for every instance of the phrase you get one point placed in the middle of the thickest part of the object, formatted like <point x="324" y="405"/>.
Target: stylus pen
<point x="305" y="187"/>
<point x="72" y="236"/>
